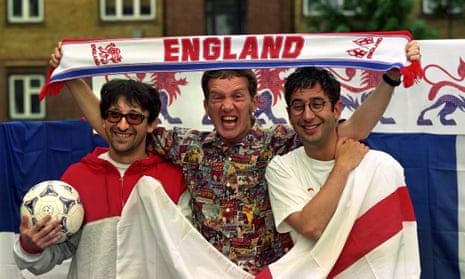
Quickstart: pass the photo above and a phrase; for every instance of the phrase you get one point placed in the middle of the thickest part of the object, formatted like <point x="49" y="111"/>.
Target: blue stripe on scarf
<point x="176" y="67"/>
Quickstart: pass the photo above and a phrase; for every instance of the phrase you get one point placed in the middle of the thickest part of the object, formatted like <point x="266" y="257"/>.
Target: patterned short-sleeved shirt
<point x="230" y="203"/>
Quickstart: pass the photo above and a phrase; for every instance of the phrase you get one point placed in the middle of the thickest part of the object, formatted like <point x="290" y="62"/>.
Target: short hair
<point x="229" y="73"/>
<point x="308" y="77"/>
<point x="134" y="92"/>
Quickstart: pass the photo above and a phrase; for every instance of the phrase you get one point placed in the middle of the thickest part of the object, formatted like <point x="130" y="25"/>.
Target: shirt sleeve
<point x="285" y="192"/>
<point x="46" y="260"/>
<point x="166" y="142"/>
<point x="284" y="139"/>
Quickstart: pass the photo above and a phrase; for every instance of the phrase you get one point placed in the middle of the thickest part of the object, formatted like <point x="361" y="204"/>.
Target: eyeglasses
<point x="132" y="118"/>
<point x="315" y="105"/>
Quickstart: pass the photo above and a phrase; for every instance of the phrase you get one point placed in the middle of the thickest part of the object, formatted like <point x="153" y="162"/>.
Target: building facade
<point x="30" y="29"/>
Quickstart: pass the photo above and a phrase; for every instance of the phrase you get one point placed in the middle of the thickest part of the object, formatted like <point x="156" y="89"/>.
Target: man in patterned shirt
<point x="225" y="168"/>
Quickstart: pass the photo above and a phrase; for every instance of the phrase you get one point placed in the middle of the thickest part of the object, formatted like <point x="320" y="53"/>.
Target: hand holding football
<point x="57" y="198"/>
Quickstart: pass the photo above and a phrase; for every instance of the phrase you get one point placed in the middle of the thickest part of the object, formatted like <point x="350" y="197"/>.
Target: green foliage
<point x="421" y="30"/>
<point x="369" y="15"/>
<point x="447" y="7"/>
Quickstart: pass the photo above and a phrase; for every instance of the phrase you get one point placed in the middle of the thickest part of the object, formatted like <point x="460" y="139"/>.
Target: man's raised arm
<point x="82" y="95"/>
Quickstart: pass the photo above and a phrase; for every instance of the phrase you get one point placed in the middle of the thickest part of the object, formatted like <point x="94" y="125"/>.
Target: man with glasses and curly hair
<point x="334" y="195"/>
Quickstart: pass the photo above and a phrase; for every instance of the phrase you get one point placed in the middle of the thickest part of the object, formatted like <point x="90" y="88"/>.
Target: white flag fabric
<point x="155" y="240"/>
<point x="372" y="233"/>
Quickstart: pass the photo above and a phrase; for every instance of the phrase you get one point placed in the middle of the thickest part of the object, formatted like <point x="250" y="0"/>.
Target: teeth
<point x="310" y="127"/>
<point x="229" y="118"/>
<point x="122" y="135"/>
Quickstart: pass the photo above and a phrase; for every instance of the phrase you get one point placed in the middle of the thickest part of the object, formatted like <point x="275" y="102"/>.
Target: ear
<point x="152" y="126"/>
<point x="103" y="123"/>
<point x="205" y="107"/>
<point x="254" y="105"/>
<point x="337" y="110"/>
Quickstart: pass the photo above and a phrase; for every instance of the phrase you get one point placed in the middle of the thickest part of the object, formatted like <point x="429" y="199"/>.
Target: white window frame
<point x="308" y="11"/>
<point x="29" y="92"/>
<point x="25" y="17"/>
<point x="119" y="16"/>
<point x="428" y="7"/>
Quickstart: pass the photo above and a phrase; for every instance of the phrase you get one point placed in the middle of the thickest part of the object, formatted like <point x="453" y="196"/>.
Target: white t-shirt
<point x="122" y="168"/>
<point x="293" y="180"/>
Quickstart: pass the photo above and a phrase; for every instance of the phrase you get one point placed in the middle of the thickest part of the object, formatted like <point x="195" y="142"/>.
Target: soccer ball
<point x="57" y="198"/>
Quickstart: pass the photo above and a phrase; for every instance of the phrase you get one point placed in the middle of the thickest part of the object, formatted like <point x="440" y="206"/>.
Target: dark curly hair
<point x="308" y="77"/>
<point x="134" y="92"/>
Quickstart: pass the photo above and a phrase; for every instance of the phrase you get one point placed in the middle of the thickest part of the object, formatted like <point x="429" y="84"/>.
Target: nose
<point x="227" y="104"/>
<point x="123" y="124"/>
<point x="308" y="113"/>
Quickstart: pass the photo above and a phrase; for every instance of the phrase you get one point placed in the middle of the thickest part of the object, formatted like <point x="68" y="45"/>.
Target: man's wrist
<point x="27" y="249"/>
<point x="390" y="81"/>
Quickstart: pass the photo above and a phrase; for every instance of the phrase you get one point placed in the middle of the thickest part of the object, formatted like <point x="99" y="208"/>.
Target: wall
<point x="26" y="48"/>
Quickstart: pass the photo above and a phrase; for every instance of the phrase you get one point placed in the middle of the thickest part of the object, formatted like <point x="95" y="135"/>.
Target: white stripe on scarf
<point x="378" y="51"/>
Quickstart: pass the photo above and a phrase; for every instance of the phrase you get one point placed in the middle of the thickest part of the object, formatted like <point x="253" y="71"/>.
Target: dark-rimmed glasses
<point x="315" y="105"/>
<point x="132" y="118"/>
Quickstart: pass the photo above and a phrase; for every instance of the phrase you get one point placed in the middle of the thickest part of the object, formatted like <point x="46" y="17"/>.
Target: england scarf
<point x="379" y="51"/>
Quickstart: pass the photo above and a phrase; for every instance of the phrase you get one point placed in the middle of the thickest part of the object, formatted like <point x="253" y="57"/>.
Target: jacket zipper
<point x="121" y="179"/>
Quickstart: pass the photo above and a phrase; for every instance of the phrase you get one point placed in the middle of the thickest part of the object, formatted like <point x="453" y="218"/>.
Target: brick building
<point x="30" y="30"/>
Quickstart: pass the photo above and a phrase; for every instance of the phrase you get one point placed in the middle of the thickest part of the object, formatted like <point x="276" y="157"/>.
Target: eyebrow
<point x="311" y="99"/>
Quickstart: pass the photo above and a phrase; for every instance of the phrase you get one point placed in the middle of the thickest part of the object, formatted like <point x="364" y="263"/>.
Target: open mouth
<point x="229" y="120"/>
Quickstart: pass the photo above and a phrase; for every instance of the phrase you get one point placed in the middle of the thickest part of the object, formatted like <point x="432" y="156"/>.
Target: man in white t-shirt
<point x="332" y="189"/>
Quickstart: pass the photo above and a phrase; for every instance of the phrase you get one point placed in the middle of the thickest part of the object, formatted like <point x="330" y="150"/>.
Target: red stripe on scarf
<point x="50" y="89"/>
<point x="378" y="224"/>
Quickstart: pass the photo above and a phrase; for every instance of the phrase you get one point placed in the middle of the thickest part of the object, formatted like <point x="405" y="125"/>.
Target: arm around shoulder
<point x="82" y="94"/>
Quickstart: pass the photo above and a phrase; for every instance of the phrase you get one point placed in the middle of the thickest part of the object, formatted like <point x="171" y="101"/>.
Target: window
<point x="120" y="10"/>
<point x="449" y="6"/>
<point x="24" y="93"/>
<point x="25" y="11"/>
<point x="226" y="17"/>
<point x="311" y="7"/>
